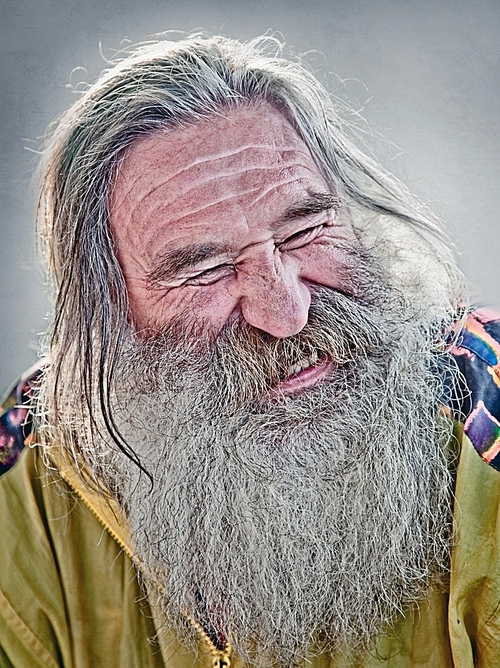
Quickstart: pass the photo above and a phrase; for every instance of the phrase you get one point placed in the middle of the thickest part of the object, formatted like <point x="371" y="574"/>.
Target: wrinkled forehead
<point x="230" y="145"/>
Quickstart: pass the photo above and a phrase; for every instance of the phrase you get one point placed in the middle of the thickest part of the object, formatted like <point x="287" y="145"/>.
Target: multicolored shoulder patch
<point x="477" y="353"/>
<point x="16" y="426"/>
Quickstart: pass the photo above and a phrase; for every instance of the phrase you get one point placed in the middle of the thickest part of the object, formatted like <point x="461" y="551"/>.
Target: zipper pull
<point x="221" y="660"/>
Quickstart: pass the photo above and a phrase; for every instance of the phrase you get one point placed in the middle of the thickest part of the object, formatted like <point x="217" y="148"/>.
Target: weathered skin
<point x="226" y="186"/>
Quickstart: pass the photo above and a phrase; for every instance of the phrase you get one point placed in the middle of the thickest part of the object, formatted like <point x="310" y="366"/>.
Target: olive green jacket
<point x="69" y="592"/>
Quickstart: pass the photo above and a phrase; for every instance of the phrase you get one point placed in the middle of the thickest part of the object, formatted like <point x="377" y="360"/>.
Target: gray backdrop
<point x="425" y="71"/>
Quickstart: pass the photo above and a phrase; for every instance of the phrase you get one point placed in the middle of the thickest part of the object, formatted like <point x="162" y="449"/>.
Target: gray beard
<point x="287" y="525"/>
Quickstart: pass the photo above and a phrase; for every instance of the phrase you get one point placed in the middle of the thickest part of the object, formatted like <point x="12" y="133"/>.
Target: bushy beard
<point x="287" y="524"/>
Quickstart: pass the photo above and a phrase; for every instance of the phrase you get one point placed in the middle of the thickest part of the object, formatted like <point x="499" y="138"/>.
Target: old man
<point x="265" y="429"/>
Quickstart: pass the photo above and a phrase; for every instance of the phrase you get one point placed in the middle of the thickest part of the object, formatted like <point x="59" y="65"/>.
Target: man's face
<point x="230" y="219"/>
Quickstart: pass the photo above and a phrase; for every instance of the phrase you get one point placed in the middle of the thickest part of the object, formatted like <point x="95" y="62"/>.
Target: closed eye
<point x="302" y="238"/>
<point x="211" y="275"/>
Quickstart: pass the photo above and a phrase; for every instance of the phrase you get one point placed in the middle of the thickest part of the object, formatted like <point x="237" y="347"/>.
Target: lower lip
<point x="305" y="378"/>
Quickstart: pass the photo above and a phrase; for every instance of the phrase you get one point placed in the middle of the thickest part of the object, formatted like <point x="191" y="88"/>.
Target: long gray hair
<point x="164" y="85"/>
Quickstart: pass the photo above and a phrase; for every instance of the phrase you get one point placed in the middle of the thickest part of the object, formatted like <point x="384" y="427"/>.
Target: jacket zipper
<point x="221" y="658"/>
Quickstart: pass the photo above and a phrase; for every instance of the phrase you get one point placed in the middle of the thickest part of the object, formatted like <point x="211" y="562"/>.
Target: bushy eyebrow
<point x="315" y="203"/>
<point x="174" y="260"/>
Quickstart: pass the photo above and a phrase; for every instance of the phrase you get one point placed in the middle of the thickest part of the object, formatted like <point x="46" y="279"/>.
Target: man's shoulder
<point x="477" y="353"/>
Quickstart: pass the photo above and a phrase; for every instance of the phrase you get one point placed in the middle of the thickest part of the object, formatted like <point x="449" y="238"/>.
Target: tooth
<point x="314" y="357"/>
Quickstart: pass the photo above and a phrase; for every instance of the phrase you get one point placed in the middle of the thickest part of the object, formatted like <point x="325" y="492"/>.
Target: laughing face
<point x="230" y="220"/>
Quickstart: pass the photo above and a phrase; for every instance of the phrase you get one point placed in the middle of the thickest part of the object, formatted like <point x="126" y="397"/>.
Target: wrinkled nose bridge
<point x="272" y="296"/>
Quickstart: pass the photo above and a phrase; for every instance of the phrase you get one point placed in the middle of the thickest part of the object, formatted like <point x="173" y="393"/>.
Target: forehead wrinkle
<point x="205" y="208"/>
<point x="149" y="207"/>
<point x="265" y="191"/>
<point x="194" y="185"/>
<point x="145" y="175"/>
<point x="203" y="179"/>
<point x="243" y="149"/>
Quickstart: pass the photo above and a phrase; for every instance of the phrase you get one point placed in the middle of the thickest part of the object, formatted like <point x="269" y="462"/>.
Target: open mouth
<point x="305" y="374"/>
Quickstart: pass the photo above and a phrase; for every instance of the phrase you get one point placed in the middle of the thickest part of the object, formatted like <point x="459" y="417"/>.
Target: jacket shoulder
<point x="477" y="353"/>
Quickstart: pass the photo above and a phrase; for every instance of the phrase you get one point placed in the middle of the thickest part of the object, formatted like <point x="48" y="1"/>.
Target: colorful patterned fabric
<point x="477" y="353"/>
<point x="476" y="403"/>
<point x="16" y="425"/>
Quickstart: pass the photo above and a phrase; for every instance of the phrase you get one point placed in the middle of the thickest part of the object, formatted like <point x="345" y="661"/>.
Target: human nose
<point x="272" y="296"/>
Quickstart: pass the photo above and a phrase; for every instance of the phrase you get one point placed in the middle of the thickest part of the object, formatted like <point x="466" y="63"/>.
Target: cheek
<point x="327" y="265"/>
<point x="212" y="305"/>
